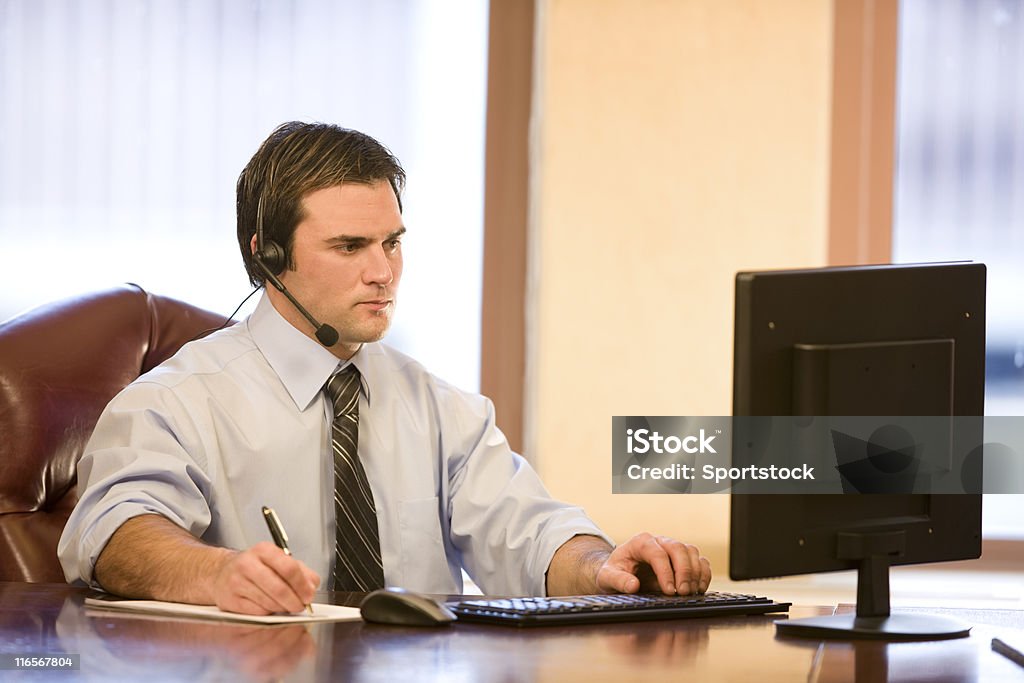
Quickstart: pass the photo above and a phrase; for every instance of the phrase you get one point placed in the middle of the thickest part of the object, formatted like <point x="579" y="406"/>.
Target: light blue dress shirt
<point x="240" y="420"/>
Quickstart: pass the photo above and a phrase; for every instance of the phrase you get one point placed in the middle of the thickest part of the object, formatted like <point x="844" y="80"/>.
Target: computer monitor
<point x="891" y="340"/>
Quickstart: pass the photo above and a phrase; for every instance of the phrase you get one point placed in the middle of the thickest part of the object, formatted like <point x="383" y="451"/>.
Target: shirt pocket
<point x="424" y="562"/>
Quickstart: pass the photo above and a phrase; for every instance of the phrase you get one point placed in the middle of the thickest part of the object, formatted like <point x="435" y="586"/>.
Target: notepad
<point x="321" y="612"/>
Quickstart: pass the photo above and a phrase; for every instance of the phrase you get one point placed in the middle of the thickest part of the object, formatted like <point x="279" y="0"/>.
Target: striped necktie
<point x="358" y="565"/>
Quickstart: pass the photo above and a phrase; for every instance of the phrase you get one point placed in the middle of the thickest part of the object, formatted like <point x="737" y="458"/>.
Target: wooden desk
<point x="51" y="619"/>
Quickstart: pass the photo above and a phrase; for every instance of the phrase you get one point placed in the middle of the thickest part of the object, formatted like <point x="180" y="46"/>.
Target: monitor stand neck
<point x="874" y="553"/>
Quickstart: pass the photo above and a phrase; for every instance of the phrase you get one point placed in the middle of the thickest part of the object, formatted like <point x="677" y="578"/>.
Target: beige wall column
<point x="863" y="131"/>
<point x="506" y="205"/>
<point x="674" y="143"/>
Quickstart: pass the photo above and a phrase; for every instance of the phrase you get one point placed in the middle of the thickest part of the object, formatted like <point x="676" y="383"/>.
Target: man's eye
<point x="347" y="248"/>
<point x="394" y="244"/>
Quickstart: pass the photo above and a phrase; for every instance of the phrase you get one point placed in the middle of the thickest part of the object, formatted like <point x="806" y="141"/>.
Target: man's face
<point x="347" y="254"/>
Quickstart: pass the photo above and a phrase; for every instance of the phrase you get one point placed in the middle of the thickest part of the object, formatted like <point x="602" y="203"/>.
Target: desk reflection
<point x="734" y="648"/>
<point x="137" y="646"/>
<point x="876" y="661"/>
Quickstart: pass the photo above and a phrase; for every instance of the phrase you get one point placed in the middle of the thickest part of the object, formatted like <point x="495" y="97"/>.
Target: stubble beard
<point x="373" y="330"/>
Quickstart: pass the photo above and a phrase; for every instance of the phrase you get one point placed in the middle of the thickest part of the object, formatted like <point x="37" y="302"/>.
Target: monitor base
<point x="892" y="627"/>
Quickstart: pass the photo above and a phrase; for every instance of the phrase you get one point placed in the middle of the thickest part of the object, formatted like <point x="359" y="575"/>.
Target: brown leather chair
<point x="59" y="366"/>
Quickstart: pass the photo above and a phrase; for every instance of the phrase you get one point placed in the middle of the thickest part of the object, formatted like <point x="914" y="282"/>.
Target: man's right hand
<point x="150" y="557"/>
<point x="263" y="580"/>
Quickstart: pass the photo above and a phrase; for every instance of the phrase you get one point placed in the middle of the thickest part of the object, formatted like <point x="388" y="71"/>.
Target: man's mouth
<point x="376" y="304"/>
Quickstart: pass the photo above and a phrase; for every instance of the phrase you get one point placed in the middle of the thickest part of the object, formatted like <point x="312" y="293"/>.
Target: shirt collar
<point x="302" y="363"/>
<point x="367" y="362"/>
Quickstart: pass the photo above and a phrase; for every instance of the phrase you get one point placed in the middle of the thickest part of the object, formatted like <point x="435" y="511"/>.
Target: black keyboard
<point x="609" y="608"/>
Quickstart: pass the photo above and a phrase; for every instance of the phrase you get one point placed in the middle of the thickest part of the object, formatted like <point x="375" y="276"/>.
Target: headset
<point x="271" y="259"/>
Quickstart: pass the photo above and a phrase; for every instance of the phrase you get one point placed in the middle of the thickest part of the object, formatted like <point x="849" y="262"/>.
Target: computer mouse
<point x="398" y="606"/>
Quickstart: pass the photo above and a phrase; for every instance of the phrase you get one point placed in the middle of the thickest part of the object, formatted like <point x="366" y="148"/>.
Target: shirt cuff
<point x="555" y="536"/>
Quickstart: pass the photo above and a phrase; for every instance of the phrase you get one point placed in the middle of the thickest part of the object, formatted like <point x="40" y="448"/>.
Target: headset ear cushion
<point x="273" y="257"/>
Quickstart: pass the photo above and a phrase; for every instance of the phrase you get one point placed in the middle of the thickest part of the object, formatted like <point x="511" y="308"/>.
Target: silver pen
<point x="279" y="536"/>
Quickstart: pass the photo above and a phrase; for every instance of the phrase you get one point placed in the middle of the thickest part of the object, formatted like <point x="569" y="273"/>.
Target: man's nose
<point x="378" y="271"/>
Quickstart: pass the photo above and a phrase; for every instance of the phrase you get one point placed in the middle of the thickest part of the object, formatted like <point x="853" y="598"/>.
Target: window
<point x="125" y="125"/>
<point x="960" y="170"/>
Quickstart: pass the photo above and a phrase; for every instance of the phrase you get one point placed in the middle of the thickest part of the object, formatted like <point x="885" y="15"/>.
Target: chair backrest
<point x="60" y="365"/>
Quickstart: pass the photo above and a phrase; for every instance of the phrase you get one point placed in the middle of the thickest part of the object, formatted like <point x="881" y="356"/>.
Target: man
<point x="381" y="472"/>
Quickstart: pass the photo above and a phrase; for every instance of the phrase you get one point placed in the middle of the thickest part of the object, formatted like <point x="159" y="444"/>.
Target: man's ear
<point x="252" y="244"/>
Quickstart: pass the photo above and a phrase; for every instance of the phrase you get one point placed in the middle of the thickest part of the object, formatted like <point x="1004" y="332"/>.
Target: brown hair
<point x="299" y="158"/>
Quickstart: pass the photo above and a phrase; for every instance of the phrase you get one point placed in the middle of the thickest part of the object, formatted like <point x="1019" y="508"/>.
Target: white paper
<point x="321" y="612"/>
